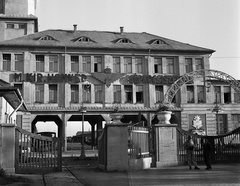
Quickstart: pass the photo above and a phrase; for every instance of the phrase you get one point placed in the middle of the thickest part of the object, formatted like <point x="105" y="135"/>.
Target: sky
<point x="212" y="24"/>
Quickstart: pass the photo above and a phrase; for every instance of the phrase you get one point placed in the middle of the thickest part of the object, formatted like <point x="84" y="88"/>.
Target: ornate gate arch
<point x="215" y="74"/>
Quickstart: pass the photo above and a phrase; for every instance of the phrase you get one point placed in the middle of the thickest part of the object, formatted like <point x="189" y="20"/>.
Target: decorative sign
<point x="107" y="77"/>
<point x="49" y="78"/>
<point x="197" y="125"/>
<point x="148" y="79"/>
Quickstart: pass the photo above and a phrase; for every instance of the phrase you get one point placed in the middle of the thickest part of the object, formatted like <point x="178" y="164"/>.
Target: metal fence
<point x="224" y="148"/>
<point x="138" y="142"/>
<point x="36" y="154"/>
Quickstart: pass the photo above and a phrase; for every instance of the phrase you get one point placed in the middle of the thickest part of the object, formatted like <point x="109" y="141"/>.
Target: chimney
<point x="121" y="30"/>
<point x="74" y="27"/>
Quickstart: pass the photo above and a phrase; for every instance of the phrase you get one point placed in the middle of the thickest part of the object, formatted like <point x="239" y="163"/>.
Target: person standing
<point x="207" y="153"/>
<point x="189" y="147"/>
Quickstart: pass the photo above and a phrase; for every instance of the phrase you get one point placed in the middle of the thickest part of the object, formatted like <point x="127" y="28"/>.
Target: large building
<point x="73" y="75"/>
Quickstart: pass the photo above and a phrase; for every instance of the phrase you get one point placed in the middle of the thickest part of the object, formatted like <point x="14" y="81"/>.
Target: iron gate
<point x="36" y="154"/>
<point x="225" y="148"/>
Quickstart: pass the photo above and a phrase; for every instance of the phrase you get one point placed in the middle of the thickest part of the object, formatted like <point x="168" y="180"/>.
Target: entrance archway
<point x="203" y="73"/>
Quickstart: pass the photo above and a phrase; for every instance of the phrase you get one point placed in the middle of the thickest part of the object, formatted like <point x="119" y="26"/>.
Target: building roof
<point x="13" y="97"/>
<point x="102" y="40"/>
<point x="14" y="16"/>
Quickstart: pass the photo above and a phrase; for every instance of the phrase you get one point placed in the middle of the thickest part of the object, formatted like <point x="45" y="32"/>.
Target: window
<point x="19" y="87"/>
<point x="21" y="26"/>
<point x="128" y="93"/>
<point x="159" y="93"/>
<point x="124" y="40"/>
<point x="236" y="97"/>
<point x="52" y="93"/>
<point x="86" y="61"/>
<point x="128" y="65"/>
<point x="199" y="64"/>
<point x="7" y="62"/>
<point x="116" y="64"/>
<point x="74" y="94"/>
<point x="98" y="94"/>
<point x="139" y="93"/>
<point x="39" y="93"/>
<point x="222" y="127"/>
<point x="19" y="62"/>
<point x="138" y="63"/>
<point x="86" y="93"/>
<point x="170" y="65"/>
<point x="158" y="42"/>
<point x="40" y="63"/>
<point x="97" y="64"/>
<point x="217" y="93"/>
<point x="10" y="25"/>
<point x="117" y="93"/>
<point x="2" y="11"/>
<point x="47" y="38"/>
<point x="236" y="120"/>
<point x="188" y="65"/>
<point x="53" y="63"/>
<point x="74" y="63"/>
<point x="227" y="94"/>
<point x="190" y="94"/>
<point x="200" y="94"/>
<point x="84" y="39"/>
<point x="158" y="65"/>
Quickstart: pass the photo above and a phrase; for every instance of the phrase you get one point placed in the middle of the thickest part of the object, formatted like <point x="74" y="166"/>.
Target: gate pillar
<point x="117" y="140"/>
<point x="116" y="144"/>
<point x="7" y="147"/>
<point x="165" y="145"/>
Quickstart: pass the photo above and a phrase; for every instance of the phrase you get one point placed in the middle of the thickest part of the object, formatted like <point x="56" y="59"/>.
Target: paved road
<point x="220" y="175"/>
<point x="224" y="174"/>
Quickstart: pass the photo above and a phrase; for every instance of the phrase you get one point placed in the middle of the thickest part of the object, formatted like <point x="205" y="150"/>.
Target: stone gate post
<point x="117" y="157"/>
<point x="165" y="145"/>
<point x="117" y="145"/>
<point x="7" y="147"/>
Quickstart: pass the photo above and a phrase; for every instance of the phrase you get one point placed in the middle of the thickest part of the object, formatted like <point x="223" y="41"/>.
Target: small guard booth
<point x="11" y="101"/>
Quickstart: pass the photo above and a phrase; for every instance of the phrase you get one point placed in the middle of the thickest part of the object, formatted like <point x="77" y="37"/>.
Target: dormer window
<point x="123" y="40"/>
<point x="157" y="42"/>
<point x="47" y="38"/>
<point x="83" y="39"/>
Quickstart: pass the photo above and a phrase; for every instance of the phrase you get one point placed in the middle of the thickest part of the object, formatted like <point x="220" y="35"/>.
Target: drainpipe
<point x="8" y="119"/>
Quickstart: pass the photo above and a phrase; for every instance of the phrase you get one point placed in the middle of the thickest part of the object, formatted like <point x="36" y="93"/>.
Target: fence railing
<point x="227" y="147"/>
<point x="138" y="142"/>
<point x="224" y="148"/>
<point x="36" y="154"/>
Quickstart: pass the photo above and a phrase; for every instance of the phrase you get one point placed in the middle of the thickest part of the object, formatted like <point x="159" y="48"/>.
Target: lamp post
<point x="83" y="110"/>
<point x="216" y="109"/>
